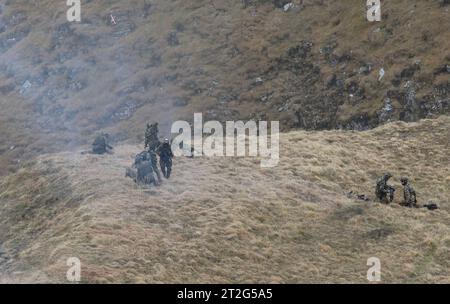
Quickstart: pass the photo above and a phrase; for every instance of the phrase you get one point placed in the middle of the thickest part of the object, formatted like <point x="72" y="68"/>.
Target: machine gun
<point x="431" y="206"/>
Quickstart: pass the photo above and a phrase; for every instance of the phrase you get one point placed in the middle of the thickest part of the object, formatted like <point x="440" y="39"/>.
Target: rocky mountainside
<point x="227" y="220"/>
<point x="312" y="65"/>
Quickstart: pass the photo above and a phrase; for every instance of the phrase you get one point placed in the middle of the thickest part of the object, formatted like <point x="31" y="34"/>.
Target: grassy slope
<point x="222" y="48"/>
<point x="228" y="220"/>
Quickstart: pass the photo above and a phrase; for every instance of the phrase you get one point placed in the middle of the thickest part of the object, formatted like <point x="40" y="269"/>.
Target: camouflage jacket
<point x="151" y="137"/>
<point x="409" y="195"/>
<point x="381" y="187"/>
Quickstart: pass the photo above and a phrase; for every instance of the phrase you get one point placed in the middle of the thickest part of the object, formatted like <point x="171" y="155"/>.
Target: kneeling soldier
<point x="409" y="194"/>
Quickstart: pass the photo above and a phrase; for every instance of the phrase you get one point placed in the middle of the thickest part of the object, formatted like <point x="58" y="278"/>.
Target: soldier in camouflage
<point x="144" y="168"/>
<point x="383" y="191"/>
<point x="145" y="173"/>
<point x="151" y="136"/>
<point x="409" y="194"/>
<point x="100" y="144"/>
<point x="165" y="158"/>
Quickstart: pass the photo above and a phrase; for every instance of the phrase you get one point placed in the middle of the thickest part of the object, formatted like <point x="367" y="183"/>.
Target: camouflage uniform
<point x="151" y="137"/>
<point x="145" y="173"/>
<point x="100" y="144"/>
<point x="165" y="158"/>
<point x="148" y="158"/>
<point x="409" y="194"/>
<point x="383" y="191"/>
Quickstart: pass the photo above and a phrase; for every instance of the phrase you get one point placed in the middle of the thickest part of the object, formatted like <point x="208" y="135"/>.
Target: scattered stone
<point x="381" y="74"/>
<point x="259" y="81"/>
<point x="388" y="105"/>
<point x="266" y="97"/>
<point x="365" y="69"/>
<point x="386" y="111"/>
<point x="288" y="6"/>
<point x="278" y="3"/>
<point x="25" y="87"/>
<point x="354" y="89"/>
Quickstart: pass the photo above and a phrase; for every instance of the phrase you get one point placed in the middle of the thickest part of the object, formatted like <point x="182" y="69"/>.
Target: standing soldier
<point x="409" y="194"/>
<point x="383" y="191"/>
<point x="165" y="158"/>
<point x="145" y="173"/>
<point x="142" y="162"/>
<point x="151" y="136"/>
<point x="152" y="143"/>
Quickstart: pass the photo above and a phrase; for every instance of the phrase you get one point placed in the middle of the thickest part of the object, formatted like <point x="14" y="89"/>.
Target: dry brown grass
<point x="226" y="220"/>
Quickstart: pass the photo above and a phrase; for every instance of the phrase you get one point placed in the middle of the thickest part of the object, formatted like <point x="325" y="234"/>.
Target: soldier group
<point x="385" y="192"/>
<point x="145" y="169"/>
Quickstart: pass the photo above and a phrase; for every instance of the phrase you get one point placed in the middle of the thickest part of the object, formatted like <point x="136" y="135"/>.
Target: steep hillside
<point x="227" y="220"/>
<point x="314" y="66"/>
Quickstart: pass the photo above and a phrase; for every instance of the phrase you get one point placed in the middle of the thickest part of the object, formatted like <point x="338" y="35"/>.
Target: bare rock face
<point x="386" y="112"/>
